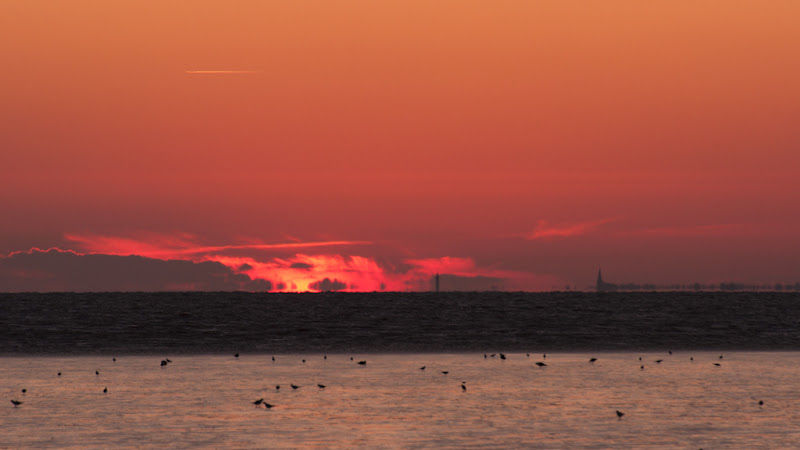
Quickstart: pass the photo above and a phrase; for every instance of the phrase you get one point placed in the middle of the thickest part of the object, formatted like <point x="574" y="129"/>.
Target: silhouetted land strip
<point x="192" y="322"/>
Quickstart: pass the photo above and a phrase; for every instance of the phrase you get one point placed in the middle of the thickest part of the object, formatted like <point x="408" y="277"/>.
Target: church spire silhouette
<point x="602" y="286"/>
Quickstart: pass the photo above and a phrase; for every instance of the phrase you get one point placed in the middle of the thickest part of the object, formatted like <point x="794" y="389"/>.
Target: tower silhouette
<point x="437" y="282"/>
<point x="602" y="286"/>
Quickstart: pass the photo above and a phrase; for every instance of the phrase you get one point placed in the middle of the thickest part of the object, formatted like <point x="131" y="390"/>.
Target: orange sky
<point x="528" y="142"/>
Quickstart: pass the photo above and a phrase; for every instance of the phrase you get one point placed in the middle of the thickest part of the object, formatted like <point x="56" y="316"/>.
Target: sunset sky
<point x="363" y="145"/>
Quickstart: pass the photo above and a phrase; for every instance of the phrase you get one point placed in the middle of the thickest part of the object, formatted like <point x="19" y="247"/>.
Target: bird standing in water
<point x="620" y="414"/>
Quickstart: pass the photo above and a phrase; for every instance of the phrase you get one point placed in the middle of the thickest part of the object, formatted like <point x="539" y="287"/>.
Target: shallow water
<point x="206" y="401"/>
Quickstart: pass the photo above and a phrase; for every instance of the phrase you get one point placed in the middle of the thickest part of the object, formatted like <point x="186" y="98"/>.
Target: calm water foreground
<point x="206" y="401"/>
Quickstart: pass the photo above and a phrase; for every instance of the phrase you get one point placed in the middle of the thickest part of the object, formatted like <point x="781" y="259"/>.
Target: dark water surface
<point x="208" y="323"/>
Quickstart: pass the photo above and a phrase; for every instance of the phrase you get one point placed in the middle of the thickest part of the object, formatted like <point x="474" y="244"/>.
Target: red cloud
<point x="179" y="245"/>
<point x="545" y="231"/>
<point x="298" y="272"/>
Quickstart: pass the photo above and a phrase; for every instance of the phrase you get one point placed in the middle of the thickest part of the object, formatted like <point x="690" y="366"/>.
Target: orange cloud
<point x="543" y="230"/>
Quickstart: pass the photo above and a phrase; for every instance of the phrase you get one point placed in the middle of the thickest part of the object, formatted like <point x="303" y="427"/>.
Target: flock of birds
<point x="261" y="402"/>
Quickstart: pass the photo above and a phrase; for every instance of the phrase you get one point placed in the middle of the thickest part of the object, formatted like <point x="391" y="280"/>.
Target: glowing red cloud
<point x="179" y="245"/>
<point x="33" y="250"/>
<point x="307" y="272"/>
<point x="545" y="231"/>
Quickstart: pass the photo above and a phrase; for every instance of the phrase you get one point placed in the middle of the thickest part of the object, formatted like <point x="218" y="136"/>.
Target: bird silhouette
<point x="718" y="364"/>
<point x="463" y="388"/>
<point x="114" y="359"/>
<point x="273" y="358"/>
<point x="294" y="387"/>
<point x="105" y="390"/>
<point x="267" y="405"/>
<point x="541" y="364"/>
<point x="96" y="372"/>
<point x="761" y="403"/>
<point x="277" y="388"/>
<point x="422" y="368"/>
<point x="24" y="390"/>
<point x="691" y="358"/>
<point x="325" y="357"/>
<point x="236" y="355"/>
<point x="168" y="360"/>
<point x="544" y="355"/>
<point x="445" y="372"/>
<point x="321" y="386"/>
<point x="620" y="414"/>
<point x="59" y="373"/>
<point x="720" y="356"/>
<point x="502" y="356"/>
<point x="658" y="361"/>
<point x="362" y="363"/>
<point x="670" y="351"/>
<point x="163" y="363"/>
<point x="592" y="360"/>
<point x="304" y="361"/>
<point x="641" y="367"/>
<point x="258" y="402"/>
<point x="16" y="403"/>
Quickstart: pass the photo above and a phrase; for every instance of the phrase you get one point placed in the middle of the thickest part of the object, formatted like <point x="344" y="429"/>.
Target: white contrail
<point x="220" y="71"/>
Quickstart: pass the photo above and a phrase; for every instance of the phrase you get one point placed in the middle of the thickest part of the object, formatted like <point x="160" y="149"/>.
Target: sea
<point x="440" y="370"/>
